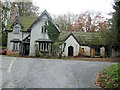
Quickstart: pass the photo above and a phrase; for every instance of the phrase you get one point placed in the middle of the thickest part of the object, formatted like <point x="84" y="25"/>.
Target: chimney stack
<point x="13" y="13"/>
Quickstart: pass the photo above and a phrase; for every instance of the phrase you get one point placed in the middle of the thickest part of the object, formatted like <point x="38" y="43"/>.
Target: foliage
<point x="57" y="49"/>
<point x="109" y="77"/>
<point x="4" y="38"/>
<point x="90" y="22"/>
<point x="65" y="21"/>
<point x="52" y="31"/>
<point x="37" y="53"/>
<point x="26" y="8"/>
<point x="4" y="9"/>
<point x="62" y="50"/>
<point x="115" y="28"/>
<point x="111" y="35"/>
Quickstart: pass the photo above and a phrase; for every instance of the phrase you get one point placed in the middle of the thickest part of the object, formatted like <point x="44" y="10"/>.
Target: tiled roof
<point x="84" y="38"/>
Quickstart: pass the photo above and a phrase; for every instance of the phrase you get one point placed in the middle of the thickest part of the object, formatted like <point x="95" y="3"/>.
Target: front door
<point x="70" y="51"/>
<point x="26" y="48"/>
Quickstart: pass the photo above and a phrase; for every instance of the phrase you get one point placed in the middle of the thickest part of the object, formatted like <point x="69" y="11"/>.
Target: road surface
<point x="20" y="72"/>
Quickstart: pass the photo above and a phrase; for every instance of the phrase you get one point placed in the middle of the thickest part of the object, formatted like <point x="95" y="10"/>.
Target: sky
<point x="58" y="7"/>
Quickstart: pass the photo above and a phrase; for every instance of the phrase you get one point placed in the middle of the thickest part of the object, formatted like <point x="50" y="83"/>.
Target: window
<point x="16" y="31"/>
<point x="15" y="46"/>
<point x="43" y="46"/>
<point x="43" y="29"/>
<point x="97" y="51"/>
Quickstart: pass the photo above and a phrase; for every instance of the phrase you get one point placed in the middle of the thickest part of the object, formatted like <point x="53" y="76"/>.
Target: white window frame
<point x="16" y="30"/>
<point x="15" y="46"/>
<point x="43" y="46"/>
<point x="44" y="29"/>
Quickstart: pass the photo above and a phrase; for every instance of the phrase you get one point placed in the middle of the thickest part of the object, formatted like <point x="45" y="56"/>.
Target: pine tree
<point x="116" y="23"/>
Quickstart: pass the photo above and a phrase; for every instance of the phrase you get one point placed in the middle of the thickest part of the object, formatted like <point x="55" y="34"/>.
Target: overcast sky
<point x="58" y="7"/>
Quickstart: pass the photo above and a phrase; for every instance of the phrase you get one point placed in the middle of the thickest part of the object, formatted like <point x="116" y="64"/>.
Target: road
<point x="20" y="72"/>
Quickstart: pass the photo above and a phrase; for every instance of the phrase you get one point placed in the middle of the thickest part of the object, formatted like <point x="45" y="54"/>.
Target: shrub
<point x="37" y="52"/>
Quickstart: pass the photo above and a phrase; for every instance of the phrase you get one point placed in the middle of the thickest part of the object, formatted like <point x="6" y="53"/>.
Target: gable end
<point x="16" y="22"/>
<point x="71" y="34"/>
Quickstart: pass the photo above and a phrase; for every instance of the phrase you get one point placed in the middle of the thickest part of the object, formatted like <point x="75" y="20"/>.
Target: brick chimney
<point x="13" y="13"/>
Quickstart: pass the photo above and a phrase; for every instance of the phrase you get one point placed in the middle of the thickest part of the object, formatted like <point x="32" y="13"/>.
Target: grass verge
<point x="109" y="77"/>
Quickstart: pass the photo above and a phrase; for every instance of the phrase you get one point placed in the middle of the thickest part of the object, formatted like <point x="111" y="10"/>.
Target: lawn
<point x="109" y="77"/>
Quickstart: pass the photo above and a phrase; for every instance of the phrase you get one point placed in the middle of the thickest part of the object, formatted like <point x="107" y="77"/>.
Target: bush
<point x="109" y="77"/>
<point x="37" y="52"/>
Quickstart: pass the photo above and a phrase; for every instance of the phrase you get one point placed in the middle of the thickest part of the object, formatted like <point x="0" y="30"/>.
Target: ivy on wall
<point x="52" y="31"/>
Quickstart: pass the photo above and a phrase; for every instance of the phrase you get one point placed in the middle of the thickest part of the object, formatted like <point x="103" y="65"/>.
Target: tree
<point x="90" y="22"/>
<point x="26" y="8"/>
<point x="4" y="11"/>
<point x="65" y="21"/>
<point x="116" y="24"/>
<point x="112" y="34"/>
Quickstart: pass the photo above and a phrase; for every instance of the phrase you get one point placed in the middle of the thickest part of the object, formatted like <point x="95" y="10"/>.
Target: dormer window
<point x="16" y="31"/>
<point x="44" y="29"/>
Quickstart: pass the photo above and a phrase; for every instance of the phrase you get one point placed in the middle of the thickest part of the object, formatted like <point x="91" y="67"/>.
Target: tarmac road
<point x="20" y="72"/>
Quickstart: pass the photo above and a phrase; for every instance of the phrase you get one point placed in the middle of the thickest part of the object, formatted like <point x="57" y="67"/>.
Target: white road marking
<point x="10" y="66"/>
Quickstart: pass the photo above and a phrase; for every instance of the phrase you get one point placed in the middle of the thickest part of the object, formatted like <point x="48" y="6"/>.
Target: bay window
<point x="43" y="46"/>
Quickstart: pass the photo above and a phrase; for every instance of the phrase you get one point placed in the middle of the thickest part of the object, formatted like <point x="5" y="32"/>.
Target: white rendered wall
<point x="12" y="35"/>
<point x="71" y="42"/>
<point x="36" y="33"/>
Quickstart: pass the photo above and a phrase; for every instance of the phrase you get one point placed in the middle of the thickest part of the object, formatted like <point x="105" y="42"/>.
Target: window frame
<point x="15" y="46"/>
<point x="44" y="29"/>
<point x="43" y="46"/>
<point x="16" y="30"/>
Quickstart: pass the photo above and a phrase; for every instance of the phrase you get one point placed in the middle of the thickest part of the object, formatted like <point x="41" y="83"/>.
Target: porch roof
<point x="43" y="40"/>
<point x="15" y="40"/>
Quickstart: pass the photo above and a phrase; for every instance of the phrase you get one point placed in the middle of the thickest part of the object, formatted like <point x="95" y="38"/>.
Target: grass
<point x="109" y="77"/>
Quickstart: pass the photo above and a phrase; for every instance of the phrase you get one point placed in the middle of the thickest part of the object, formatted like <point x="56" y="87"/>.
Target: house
<point x="82" y="43"/>
<point x="25" y="32"/>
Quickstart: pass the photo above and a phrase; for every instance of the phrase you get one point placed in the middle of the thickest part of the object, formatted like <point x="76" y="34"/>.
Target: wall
<point x="102" y="51"/>
<point x="86" y="50"/>
<point x="36" y="33"/>
<point x="11" y="36"/>
<point x="71" y="42"/>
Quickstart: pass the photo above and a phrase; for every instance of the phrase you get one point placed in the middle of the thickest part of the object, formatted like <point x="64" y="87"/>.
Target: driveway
<point x="49" y="73"/>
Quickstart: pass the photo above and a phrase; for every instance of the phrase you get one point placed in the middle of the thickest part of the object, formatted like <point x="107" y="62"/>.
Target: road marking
<point x="10" y="66"/>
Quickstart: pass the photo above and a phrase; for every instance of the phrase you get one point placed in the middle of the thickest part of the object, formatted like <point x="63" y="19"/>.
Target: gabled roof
<point x="84" y="38"/>
<point x="39" y="18"/>
<point x="29" y="22"/>
<point x="17" y="22"/>
<point x="25" y="21"/>
<point x="71" y="34"/>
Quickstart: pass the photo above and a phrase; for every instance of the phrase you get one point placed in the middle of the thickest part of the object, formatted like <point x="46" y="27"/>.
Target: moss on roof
<point x="86" y="38"/>
<point x="25" y="21"/>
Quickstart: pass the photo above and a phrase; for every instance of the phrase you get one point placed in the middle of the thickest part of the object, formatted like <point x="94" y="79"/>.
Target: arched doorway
<point x="70" y="51"/>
